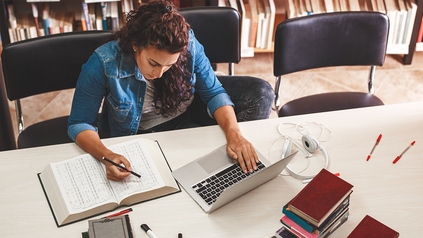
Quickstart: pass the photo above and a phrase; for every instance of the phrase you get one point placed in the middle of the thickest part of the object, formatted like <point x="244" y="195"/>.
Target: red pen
<point x="377" y="143"/>
<point x="399" y="157"/>
<point x="119" y="213"/>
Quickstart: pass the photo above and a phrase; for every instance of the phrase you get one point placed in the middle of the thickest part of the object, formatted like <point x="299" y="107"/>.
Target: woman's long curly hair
<point x="158" y="24"/>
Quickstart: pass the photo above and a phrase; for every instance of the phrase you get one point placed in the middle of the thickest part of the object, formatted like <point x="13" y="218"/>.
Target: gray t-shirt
<point x="150" y="116"/>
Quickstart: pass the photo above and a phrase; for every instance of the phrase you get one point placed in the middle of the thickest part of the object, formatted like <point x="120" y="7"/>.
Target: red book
<point x="320" y="197"/>
<point x="370" y="227"/>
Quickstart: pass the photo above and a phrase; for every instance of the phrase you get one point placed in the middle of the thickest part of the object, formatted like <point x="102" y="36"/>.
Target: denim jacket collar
<point x="128" y="67"/>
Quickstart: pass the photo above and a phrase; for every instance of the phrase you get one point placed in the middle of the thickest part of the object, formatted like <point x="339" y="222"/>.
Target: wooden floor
<point x="394" y="83"/>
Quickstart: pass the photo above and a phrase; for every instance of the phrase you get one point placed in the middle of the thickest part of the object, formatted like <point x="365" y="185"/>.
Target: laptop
<point x="216" y="179"/>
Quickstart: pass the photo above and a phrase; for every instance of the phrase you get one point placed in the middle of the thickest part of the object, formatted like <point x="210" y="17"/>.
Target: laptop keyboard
<point x="210" y="188"/>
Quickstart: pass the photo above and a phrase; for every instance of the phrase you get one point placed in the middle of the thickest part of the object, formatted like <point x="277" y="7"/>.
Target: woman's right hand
<point x="113" y="172"/>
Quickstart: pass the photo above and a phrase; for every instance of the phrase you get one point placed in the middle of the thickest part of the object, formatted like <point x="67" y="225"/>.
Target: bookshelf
<point x="23" y="7"/>
<point x="404" y="15"/>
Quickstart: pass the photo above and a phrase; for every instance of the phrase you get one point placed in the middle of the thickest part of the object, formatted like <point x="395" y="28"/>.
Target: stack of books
<point x="320" y="207"/>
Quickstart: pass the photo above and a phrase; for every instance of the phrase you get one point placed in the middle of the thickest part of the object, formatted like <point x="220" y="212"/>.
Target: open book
<point x="78" y="188"/>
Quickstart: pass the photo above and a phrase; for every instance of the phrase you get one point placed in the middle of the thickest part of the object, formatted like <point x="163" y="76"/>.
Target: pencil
<point x="120" y="166"/>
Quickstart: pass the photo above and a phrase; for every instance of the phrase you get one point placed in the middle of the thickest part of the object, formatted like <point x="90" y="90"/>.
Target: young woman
<point x="154" y="76"/>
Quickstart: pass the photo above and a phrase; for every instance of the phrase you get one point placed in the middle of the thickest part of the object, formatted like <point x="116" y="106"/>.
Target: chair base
<point x="329" y="102"/>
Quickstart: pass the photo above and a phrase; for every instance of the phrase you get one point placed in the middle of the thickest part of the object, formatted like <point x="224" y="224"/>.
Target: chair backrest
<point x="48" y="63"/>
<point x="330" y="39"/>
<point x="218" y="29"/>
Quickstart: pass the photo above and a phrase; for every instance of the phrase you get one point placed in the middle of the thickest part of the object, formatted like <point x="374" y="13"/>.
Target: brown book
<point x="370" y="227"/>
<point x="319" y="198"/>
<point x="251" y="6"/>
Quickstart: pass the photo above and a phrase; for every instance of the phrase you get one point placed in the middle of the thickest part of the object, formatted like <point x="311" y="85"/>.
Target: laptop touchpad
<point x="215" y="161"/>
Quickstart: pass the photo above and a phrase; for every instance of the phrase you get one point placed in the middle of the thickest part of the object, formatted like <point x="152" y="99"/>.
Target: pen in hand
<point x="121" y="167"/>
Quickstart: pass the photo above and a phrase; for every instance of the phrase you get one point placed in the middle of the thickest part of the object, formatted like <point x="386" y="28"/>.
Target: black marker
<point x="120" y="166"/>
<point x="148" y="231"/>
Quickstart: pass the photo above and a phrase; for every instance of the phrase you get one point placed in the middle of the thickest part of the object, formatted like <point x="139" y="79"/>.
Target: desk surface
<point x="391" y="193"/>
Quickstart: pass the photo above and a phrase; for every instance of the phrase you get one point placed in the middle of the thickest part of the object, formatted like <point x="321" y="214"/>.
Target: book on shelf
<point x="315" y="6"/>
<point x="261" y="19"/>
<point x="401" y="21"/>
<point x="281" y="12"/>
<point x="320" y="197"/>
<point x="83" y="22"/>
<point x="35" y="15"/>
<point x="354" y="5"/>
<point x="365" y="5"/>
<point x="98" y="17"/>
<point x="290" y="9"/>
<point x="246" y="50"/>
<point x="251" y="5"/>
<point x="78" y="188"/>
<point x="86" y="16"/>
<point x="329" y="5"/>
<point x="104" y="14"/>
<point x="411" y="7"/>
<point x="46" y="17"/>
<point x="370" y="227"/>
<point x="114" y="16"/>
<point x="308" y="7"/>
<point x="113" y="227"/>
<point x="268" y="42"/>
<point x="12" y="23"/>
<point x="92" y="15"/>
<point x="337" y="6"/>
<point x="265" y="25"/>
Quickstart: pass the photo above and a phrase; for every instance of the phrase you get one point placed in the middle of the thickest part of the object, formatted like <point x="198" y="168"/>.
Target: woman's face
<point x="152" y="62"/>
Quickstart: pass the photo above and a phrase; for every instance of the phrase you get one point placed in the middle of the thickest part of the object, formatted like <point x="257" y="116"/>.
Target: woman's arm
<point x="89" y="92"/>
<point x="237" y="146"/>
<point x="89" y="141"/>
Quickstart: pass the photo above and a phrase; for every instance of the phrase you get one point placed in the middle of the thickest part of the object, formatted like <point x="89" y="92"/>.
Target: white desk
<point x="391" y="193"/>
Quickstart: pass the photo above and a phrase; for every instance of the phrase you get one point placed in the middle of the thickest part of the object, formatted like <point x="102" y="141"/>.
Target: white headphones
<point x="309" y="145"/>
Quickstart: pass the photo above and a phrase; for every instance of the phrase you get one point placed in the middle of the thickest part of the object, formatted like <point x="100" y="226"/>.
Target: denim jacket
<point x="114" y="76"/>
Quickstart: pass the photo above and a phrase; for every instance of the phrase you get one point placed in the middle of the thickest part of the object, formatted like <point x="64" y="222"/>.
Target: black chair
<point x="46" y="64"/>
<point x="218" y="29"/>
<point x="330" y="39"/>
<point x="7" y="137"/>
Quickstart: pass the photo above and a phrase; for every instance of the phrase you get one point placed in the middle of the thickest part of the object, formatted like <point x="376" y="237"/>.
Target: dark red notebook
<point x="320" y="197"/>
<point x="370" y="227"/>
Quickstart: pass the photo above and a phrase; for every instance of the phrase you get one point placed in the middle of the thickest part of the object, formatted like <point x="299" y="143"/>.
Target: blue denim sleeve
<point x="207" y="85"/>
<point x="89" y="92"/>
